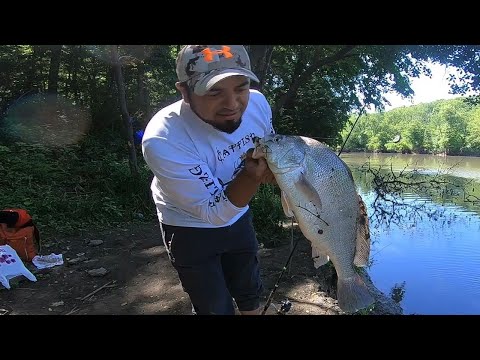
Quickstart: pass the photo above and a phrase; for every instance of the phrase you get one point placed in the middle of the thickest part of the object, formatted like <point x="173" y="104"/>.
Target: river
<point x="425" y="249"/>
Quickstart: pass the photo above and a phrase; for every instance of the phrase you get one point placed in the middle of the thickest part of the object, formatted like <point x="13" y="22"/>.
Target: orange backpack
<point x="18" y="230"/>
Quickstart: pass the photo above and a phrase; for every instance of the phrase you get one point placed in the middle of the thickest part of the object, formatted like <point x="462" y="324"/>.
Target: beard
<point x="227" y="127"/>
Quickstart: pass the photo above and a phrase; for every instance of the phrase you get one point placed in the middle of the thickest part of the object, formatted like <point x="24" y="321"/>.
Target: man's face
<point x="223" y="105"/>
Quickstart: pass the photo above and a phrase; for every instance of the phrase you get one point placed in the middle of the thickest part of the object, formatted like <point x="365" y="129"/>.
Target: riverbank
<point x="137" y="279"/>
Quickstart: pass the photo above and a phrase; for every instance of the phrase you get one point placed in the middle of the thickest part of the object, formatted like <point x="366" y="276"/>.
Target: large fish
<point x="317" y="188"/>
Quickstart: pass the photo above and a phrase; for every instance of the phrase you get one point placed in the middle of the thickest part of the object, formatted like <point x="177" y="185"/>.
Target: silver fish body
<point x="319" y="190"/>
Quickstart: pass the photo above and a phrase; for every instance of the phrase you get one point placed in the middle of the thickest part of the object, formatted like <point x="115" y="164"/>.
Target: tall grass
<point x="76" y="187"/>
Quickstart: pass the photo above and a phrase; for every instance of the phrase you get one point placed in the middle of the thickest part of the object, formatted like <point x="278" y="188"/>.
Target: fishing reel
<point x="285" y="306"/>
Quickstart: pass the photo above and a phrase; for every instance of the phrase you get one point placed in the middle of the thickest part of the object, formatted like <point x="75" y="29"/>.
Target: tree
<point x="117" y="68"/>
<point x="260" y="57"/>
<point x="473" y="137"/>
<point x="54" y="69"/>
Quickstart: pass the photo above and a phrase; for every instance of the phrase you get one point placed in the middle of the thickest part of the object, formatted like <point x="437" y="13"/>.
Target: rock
<point x="97" y="272"/>
<point x="384" y="305"/>
<point x="95" y="242"/>
<point x="76" y="260"/>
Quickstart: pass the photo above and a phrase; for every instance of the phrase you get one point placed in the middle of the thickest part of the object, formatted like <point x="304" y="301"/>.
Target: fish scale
<point x="319" y="190"/>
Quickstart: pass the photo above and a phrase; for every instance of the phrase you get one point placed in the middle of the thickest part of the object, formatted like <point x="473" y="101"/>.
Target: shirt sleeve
<point x="187" y="182"/>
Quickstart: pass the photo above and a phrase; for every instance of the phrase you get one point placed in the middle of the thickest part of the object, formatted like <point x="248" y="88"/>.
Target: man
<point x="199" y="150"/>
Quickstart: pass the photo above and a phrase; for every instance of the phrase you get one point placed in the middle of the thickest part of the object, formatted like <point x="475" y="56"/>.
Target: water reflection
<point x="398" y="292"/>
<point x="459" y="166"/>
<point x="425" y="223"/>
<point x="405" y="195"/>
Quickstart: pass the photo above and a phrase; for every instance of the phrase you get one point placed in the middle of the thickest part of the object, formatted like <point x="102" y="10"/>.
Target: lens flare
<point x="49" y="120"/>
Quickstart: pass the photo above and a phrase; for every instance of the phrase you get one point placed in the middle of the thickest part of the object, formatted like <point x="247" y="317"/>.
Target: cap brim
<point x="202" y="86"/>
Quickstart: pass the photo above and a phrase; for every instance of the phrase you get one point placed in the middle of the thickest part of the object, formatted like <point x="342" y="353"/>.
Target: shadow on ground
<point x="140" y="280"/>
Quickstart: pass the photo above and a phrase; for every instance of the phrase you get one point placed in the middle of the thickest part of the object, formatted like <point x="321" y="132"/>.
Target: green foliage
<point x="89" y="184"/>
<point x="268" y="216"/>
<point x="367" y="311"/>
<point x="318" y="108"/>
<point x="441" y="127"/>
<point x="88" y="187"/>
<point x="85" y="186"/>
<point x="473" y="132"/>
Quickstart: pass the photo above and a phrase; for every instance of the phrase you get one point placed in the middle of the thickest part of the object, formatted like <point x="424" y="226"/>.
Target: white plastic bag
<point x="47" y="261"/>
<point x="12" y="266"/>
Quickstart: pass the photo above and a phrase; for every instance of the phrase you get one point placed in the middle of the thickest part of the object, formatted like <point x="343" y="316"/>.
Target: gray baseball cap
<point x="201" y="66"/>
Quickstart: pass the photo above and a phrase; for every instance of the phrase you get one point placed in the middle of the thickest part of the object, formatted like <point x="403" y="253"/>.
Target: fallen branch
<point x="97" y="290"/>
<point x="75" y="309"/>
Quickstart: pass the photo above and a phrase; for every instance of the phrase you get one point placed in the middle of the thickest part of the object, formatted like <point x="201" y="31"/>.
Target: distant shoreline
<point x="410" y="153"/>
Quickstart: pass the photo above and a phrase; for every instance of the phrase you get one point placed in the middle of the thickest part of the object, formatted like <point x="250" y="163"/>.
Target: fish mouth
<point x="260" y="148"/>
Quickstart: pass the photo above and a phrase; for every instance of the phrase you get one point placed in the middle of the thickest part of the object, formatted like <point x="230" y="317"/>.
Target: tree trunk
<point x="77" y="51"/>
<point x="260" y="56"/>
<point x="32" y="77"/>
<point x="117" y="69"/>
<point x="53" y="72"/>
<point x="305" y="76"/>
<point x="142" y="99"/>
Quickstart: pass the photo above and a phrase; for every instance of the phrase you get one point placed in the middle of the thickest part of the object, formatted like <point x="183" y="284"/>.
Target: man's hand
<point x="255" y="172"/>
<point x="258" y="169"/>
<point x="269" y="178"/>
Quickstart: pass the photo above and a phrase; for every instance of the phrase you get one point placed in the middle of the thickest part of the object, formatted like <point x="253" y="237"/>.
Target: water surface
<point x="425" y="240"/>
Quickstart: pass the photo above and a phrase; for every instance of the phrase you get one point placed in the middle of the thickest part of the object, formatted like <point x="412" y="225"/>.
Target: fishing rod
<point x="351" y="130"/>
<point x="285" y="306"/>
<point x="395" y="140"/>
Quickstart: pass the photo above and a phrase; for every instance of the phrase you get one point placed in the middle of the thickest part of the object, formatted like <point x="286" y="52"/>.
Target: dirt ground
<point x="139" y="279"/>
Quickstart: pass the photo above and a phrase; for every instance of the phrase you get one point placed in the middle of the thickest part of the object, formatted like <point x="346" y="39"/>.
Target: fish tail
<point x="353" y="294"/>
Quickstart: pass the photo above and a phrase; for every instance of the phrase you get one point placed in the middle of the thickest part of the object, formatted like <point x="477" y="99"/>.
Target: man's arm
<point x="241" y="189"/>
<point x="187" y="182"/>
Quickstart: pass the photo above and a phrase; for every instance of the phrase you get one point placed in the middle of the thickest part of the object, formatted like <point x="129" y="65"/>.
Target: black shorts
<point x="216" y="265"/>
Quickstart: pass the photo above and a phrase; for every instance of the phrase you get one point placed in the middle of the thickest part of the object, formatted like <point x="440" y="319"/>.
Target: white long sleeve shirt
<point x="193" y="162"/>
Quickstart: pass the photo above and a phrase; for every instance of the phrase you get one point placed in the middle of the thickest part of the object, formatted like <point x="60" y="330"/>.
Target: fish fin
<point x="304" y="186"/>
<point x="353" y="294"/>
<point x="319" y="257"/>
<point x="286" y="209"/>
<point x="362" y="250"/>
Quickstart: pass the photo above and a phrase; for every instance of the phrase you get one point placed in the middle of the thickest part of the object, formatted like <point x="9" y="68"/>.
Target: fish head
<point x="283" y="153"/>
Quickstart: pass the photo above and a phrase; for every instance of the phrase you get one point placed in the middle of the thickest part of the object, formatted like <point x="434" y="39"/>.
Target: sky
<point x="426" y="89"/>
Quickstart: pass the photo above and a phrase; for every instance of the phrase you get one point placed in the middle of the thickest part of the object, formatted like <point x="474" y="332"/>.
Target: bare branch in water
<point x="393" y="203"/>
